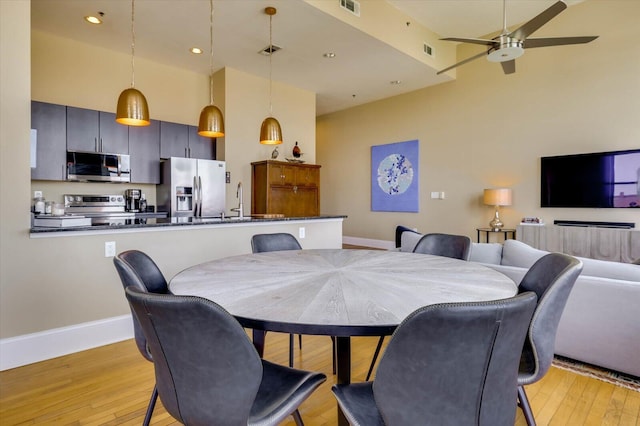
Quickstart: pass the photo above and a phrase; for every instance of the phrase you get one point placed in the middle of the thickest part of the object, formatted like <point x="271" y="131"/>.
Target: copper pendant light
<point x="270" y="131"/>
<point x="132" y="109"/>
<point x="211" y="123"/>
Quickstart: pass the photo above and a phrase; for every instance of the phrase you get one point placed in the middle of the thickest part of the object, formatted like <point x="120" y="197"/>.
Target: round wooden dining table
<point x="336" y="292"/>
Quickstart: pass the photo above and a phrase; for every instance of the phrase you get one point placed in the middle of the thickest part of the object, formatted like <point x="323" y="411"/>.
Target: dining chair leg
<point x="523" y="402"/>
<point x="151" y="406"/>
<point x="375" y="358"/>
<point x="300" y="341"/>
<point x="291" y="350"/>
<point x="334" y="353"/>
<point x="297" y="418"/>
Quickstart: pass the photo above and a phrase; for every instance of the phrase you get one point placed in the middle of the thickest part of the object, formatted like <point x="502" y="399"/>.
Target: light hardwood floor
<point x="111" y="385"/>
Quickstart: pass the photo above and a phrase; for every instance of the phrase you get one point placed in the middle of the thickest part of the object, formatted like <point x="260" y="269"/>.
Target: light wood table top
<point x="337" y="292"/>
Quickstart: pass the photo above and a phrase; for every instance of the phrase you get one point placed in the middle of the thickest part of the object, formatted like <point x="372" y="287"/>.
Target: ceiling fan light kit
<point x="508" y="46"/>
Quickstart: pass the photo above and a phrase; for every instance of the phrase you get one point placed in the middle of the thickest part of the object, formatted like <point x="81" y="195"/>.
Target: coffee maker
<point x="132" y="200"/>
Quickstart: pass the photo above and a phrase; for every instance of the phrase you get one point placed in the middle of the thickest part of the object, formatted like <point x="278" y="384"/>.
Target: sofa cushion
<point x="409" y="240"/>
<point x="612" y="270"/>
<point x="486" y="253"/>
<point x="517" y="253"/>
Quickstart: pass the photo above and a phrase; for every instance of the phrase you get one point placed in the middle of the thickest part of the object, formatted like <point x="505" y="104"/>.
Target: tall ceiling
<point x="363" y="67"/>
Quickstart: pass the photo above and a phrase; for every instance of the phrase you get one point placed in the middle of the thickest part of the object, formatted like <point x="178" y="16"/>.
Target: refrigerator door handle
<point x="195" y="196"/>
<point x="200" y="200"/>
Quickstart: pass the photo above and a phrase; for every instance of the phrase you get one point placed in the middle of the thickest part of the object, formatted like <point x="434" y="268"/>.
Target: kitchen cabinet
<point x="49" y="121"/>
<point x="181" y="140"/>
<point x="95" y="131"/>
<point x="200" y="146"/>
<point x="291" y="189"/>
<point x="144" y="151"/>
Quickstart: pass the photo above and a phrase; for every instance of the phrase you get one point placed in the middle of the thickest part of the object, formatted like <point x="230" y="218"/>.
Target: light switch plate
<point x="301" y="232"/>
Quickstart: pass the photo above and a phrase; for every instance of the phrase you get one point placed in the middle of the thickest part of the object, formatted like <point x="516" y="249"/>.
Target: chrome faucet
<point x="240" y="208"/>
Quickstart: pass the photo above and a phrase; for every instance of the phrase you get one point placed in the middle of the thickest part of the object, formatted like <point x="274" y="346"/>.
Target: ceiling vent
<point x="269" y="50"/>
<point x="351" y="5"/>
<point x="428" y="50"/>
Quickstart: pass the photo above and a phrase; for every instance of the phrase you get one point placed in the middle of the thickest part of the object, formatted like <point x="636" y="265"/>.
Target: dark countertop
<point x="176" y="221"/>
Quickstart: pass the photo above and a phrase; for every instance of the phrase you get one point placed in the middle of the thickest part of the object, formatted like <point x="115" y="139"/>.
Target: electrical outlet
<point x="37" y="194"/>
<point x="301" y="232"/>
<point x="109" y="249"/>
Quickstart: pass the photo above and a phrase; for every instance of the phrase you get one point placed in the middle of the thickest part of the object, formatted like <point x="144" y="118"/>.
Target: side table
<point x="504" y="231"/>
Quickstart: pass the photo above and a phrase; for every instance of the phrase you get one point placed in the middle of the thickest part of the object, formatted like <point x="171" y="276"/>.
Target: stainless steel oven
<point x="102" y="209"/>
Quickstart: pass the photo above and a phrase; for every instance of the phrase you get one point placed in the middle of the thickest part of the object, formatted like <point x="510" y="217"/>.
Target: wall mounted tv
<point x="598" y="180"/>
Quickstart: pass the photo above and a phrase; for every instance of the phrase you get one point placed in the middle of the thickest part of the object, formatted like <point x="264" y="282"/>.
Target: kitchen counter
<point x="154" y="223"/>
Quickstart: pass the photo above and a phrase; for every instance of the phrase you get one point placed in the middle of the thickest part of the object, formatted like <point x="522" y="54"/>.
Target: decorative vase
<point x="296" y="151"/>
<point x="275" y="153"/>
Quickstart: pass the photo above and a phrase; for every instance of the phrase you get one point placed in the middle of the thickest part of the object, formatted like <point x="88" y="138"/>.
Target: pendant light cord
<point x="211" y="52"/>
<point x="133" y="44"/>
<point x="270" y="65"/>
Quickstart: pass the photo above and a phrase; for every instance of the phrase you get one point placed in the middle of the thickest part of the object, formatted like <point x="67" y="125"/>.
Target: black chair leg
<point x="297" y="418"/>
<point x="300" y="341"/>
<point x="291" y="350"/>
<point x="375" y="358"/>
<point x="151" y="406"/>
<point x="523" y="402"/>
<point x="334" y="353"/>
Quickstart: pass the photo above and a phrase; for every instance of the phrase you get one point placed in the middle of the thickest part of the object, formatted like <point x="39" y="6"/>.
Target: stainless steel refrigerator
<point x="192" y="187"/>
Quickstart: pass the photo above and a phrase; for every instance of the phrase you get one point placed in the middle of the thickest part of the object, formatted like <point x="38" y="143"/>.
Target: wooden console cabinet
<point x="290" y="189"/>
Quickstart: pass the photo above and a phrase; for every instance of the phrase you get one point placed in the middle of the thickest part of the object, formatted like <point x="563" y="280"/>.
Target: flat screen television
<point x="598" y="180"/>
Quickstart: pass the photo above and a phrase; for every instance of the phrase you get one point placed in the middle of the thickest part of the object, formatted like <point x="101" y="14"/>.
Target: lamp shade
<point x="132" y="109"/>
<point x="270" y="132"/>
<point x="211" y="124"/>
<point x="497" y="197"/>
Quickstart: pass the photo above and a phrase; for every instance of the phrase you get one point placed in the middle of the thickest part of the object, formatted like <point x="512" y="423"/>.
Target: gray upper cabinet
<point x="181" y="140"/>
<point x="174" y="140"/>
<point x="49" y="121"/>
<point x="95" y="131"/>
<point x="201" y="147"/>
<point x="144" y="149"/>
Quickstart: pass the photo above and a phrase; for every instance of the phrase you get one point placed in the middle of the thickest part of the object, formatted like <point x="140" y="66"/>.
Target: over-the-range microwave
<point x="98" y="167"/>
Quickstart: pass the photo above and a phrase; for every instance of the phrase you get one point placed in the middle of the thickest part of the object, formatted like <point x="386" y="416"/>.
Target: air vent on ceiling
<point x="351" y="5"/>
<point x="269" y="50"/>
<point x="428" y="50"/>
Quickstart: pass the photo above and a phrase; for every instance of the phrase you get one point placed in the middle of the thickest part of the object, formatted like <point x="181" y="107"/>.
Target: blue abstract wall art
<point x="394" y="177"/>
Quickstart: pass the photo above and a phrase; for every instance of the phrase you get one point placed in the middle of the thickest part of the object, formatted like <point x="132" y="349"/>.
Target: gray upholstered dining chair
<point x="136" y="269"/>
<point x="453" y="246"/>
<point x="208" y="371"/>
<point x="446" y="364"/>
<point x="447" y="245"/>
<point x="552" y="278"/>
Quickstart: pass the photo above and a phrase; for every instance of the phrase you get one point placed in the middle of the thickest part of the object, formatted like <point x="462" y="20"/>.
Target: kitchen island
<point x="72" y="282"/>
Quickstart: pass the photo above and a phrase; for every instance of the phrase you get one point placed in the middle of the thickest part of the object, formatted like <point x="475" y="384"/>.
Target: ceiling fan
<point x="508" y="46"/>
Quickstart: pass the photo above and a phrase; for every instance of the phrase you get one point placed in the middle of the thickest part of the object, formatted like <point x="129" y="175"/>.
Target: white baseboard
<point x="366" y="242"/>
<point x="29" y="348"/>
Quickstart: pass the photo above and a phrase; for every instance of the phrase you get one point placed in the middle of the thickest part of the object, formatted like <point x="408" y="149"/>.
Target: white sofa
<point x="601" y="321"/>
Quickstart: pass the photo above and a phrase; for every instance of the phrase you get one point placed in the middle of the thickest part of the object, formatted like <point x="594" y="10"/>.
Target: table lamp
<point x="497" y="197"/>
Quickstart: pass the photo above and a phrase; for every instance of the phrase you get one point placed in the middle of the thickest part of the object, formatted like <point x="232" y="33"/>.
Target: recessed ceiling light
<point x="396" y="82"/>
<point x="94" y="19"/>
<point x="195" y="50"/>
<point x="329" y="55"/>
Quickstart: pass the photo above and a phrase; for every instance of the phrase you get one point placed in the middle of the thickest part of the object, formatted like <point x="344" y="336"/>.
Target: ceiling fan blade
<point x="471" y="40"/>
<point x="462" y="62"/>
<point x="509" y="67"/>
<point x="556" y="41"/>
<point x="528" y="28"/>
